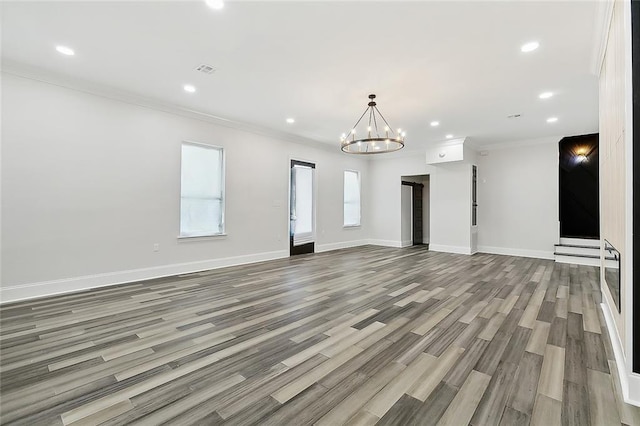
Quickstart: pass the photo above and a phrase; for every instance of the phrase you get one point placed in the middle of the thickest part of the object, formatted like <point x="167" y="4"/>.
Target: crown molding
<point x="108" y="92"/>
<point x="452" y="142"/>
<point x="419" y="151"/>
<point x="520" y="143"/>
<point x="601" y="24"/>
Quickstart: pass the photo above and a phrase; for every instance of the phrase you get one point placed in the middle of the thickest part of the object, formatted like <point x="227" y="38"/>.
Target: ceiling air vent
<point x="207" y="69"/>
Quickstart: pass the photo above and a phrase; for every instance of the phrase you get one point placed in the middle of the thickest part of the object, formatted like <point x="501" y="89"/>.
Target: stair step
<point x="588" y="256"/>
<point x="578" y="259"/>
<point x="577" y="249"/>
<point x="576" y="246"/>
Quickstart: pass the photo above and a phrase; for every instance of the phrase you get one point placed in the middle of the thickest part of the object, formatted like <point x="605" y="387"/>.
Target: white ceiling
<point x="455" y="62"/>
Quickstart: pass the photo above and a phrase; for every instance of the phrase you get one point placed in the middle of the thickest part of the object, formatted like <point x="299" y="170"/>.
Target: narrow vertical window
<point x="474" y="196"/>
<point x="201" y="191"/>
<point x="351" y="198"/>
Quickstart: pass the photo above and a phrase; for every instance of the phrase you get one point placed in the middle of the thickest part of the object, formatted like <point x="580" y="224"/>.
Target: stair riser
<point x="579" y="242"/>
<point x="577" y="260"/>
<point x="591" y="251"/>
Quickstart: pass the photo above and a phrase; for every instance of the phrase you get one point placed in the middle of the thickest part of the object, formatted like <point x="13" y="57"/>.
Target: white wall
<point x="89" y="184"/>
<point x="616" y="187"/>
<point x="450" y="227"/>
<point x="449" y="198"/>
<point x="518" y="199"/>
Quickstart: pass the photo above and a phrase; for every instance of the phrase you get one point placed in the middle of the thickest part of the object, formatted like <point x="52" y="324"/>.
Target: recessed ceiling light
<point x="529" y="47"/>
<point x="65" y="50"/>
<point x="291" y="120"/>
<point x="435" y="123"/>
<point x="449" y="136"/>
<point x="552" y="119"/>
<point x="545" y="95"/>
<point x="189" y="88"/>
<point x="215" y="4"/>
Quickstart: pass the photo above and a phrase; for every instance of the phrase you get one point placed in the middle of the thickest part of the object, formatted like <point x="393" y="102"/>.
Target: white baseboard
<point x="630" y="384"/>
<point x="407" y="243"/>
<point x="450" y="249"/>
<point x="341" y="245"/>
<point x="386" y="243"/>
<point x="537" y="254"/>
<point x="71" y="285"/>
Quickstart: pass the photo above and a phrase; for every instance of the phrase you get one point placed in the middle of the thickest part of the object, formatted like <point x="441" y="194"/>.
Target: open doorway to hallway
<point x="302" y="209"/>
<point x="415" y="204"/>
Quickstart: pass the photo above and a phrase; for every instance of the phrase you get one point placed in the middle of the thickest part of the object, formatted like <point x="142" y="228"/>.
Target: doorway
<point x="579" y="187"/>
<point x="301" y="208"/>
<point x="415" y="210"/>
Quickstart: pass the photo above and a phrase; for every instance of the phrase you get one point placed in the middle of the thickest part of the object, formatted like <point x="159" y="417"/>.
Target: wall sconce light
<point x="581" y="154"/>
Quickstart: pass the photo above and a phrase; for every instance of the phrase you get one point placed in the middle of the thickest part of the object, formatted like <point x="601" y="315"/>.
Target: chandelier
<point x="373" y="141"/>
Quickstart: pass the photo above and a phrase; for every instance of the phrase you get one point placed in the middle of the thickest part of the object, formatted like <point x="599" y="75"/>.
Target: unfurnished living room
<point x="320" y="212"/>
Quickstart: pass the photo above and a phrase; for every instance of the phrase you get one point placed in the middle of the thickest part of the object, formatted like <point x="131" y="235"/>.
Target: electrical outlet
<point x="156" y="247"/>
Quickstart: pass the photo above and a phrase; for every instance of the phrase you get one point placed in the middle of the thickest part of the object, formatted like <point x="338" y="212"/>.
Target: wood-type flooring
<point x="360" y="336"/>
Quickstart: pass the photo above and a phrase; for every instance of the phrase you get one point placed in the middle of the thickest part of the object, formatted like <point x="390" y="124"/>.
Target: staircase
<point x="579" y="251"/>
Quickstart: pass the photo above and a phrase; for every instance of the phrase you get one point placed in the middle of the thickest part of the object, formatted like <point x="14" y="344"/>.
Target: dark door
<point x="579" y="198"/>
<point x="416" y="213"/>
<point x="301" y="208"/>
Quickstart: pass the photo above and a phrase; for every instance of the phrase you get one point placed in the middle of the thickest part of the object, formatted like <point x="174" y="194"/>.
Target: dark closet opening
<point x="579" y="187"/>
<point x="416" y="214"/>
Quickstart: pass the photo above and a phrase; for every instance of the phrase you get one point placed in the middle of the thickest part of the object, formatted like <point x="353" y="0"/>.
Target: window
<point x="351" y="198"/>
<point x="201" y="191"/>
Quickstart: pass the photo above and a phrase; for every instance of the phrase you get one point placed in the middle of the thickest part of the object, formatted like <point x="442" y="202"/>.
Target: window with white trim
<point x="351" y="198"/>
<point x="201" y="190"/>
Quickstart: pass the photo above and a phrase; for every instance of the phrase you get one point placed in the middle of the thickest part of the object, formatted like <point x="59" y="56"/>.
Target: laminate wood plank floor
<point x="360" y="336"/>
